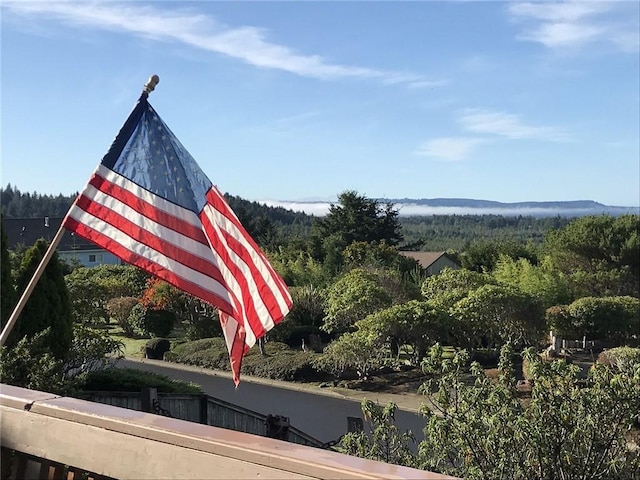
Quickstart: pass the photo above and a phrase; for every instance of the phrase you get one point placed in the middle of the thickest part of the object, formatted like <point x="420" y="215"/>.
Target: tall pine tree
<point x="48" y="305"/>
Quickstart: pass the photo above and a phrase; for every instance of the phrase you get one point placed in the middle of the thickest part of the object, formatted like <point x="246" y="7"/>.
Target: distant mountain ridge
<point x="536" y="209"/>
<point x="473" y="203"/>
<point x="469" y="206"/>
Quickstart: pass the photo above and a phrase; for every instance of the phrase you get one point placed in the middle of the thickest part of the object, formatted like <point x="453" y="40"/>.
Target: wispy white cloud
<point x="506" y="125"/>
<point x="579" y="23"/>
<point x="449" y="148"/>
<point x="246" y="43"/>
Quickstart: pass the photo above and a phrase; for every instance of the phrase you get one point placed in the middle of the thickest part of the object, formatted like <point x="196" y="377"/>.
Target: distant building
<point x="72" y="248"/>
<point x="433" y="262"/>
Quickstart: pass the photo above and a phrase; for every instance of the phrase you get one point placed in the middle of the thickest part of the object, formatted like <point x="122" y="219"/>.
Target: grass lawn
<point x="134" y="347"/>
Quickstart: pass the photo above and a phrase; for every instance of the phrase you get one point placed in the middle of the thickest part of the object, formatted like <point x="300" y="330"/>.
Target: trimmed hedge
<point x="132" y="380"/>
<point x="280" y="363"/>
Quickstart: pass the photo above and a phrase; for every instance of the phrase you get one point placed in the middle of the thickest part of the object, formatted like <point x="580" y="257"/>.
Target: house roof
<point x="27" y="231"/>
<point x="426" y="259"/>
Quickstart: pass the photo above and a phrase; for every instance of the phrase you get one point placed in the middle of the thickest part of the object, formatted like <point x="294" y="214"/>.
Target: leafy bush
<point x="120" y="309"/>
<point x="280" y="363"/>
<point x="384" y="442"/>
<point x="159" y="323"/>
<point x="352" y="351"/>
<point x="286" y="365"/>
<point x="30" y="364"/>
<point x="623" y="359"/>
<point x="132" y="380"/>
<point x="207" y="353"/>
<point x="203" y="327"/>
<point x="156" y="348"/>
<point x="570" y="427"/>
<point x="136" y="319"/>
<point x="148" y="322"/>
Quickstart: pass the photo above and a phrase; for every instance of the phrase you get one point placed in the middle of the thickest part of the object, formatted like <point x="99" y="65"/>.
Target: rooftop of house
<point x="26" y="231"/>
<point x="426" y="259"/>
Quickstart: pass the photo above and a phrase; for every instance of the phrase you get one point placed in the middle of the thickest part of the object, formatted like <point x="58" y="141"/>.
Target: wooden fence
<point x="208" y="411"/>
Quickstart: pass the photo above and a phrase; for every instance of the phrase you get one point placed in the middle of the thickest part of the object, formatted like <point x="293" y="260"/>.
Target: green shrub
<point x="280" y="363"/>
<point x="207" y="353"/>
<point x="285" y="365"/>
<point x="623" y="359"/>
<point x="203" y="327"/>
<point x="132" y="380"/>
<point x="159" y="323"/>
<point x="136" y="319"/>
<point x="156" y="348"/>
<point x="147" y="322"/>
<point x="120" y="309"/>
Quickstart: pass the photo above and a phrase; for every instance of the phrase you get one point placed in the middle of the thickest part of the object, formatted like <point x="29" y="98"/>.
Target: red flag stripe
<point x="238" y="283"/>
<point x="178" y="221"/>
<point x="150" y="266"/>
<point x="235" y="339"/>
<point x="230" y="224"/>
<point x="246" y="263"/>
<point x="239" y="261"/>
<point x="216" y="199"/>
<point x="133" y="245"/>
<point x="184" y="249"/>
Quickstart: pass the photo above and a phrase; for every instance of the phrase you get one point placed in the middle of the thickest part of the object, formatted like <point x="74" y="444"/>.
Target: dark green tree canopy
<point x="356" y="218"/>
<point x="601" y="254"/>
<point x="48" y="306"/>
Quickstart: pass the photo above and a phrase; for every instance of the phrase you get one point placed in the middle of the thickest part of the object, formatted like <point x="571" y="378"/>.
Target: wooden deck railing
<point x="60" y="437"/>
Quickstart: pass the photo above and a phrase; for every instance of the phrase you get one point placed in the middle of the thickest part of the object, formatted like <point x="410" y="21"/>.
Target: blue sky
<point x="505" y="101"/>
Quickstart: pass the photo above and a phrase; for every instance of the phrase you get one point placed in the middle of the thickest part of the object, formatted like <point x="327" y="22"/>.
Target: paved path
<point x="319" y="412"/>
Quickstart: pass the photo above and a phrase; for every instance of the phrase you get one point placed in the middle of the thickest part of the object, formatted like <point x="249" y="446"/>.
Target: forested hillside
<point x="274" y="225"/>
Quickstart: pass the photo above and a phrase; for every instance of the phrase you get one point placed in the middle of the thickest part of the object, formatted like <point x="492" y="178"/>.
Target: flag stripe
<point x="234" y="336"/>
<point x="150" y="266"/>
<point x="238" y="284"/>
<point x="216" y="199"/>
<point x="254" y="291"/>
<point x="178" y="220"/>
<point x="177" y="246"/>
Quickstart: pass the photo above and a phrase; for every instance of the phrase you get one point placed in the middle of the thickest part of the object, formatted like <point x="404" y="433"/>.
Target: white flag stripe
<point x="272" y="275"/>
<point x="258" y="260"/>
<point x="229" y="328"/>
<point x="158" y="203"/>
<point x="234" y="287"/>
<point x="206" y="282"/>
<point x="167" y="235"/>
<point x="262" y="310"/>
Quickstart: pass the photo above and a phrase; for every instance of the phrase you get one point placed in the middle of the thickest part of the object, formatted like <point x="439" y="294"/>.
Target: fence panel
<point x="203" y="409"/>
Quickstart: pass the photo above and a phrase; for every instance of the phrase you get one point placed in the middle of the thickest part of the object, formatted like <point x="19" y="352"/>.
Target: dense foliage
<point x="361" y="307"/>
<point x="568" y="428"/>
<point x="48" y="304"/>
<point x="483" y="428"/>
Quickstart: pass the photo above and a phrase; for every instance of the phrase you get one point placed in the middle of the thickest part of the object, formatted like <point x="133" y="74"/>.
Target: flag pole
<point x="147" y="89"/>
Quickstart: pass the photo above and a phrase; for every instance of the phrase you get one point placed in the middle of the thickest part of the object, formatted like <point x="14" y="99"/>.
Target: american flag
<point x="150" y="204"/>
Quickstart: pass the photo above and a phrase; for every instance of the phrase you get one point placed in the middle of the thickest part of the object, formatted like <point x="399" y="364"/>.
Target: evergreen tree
<point x="48" y="305"/>
<point x="7" y="288"/>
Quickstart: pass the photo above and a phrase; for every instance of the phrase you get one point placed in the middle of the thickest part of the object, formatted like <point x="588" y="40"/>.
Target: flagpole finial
<point x="151" y="84"/>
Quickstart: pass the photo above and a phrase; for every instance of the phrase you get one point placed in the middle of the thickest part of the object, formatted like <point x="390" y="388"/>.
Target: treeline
<point x="457" y="232"/>
<point x="273" y="226"/>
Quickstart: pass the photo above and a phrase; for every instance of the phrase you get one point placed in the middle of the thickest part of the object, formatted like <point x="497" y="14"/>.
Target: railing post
<point x="148" y="397"/>
<point x="204" y="410"/>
